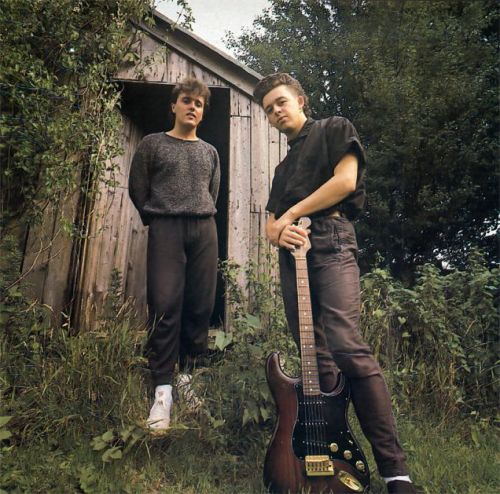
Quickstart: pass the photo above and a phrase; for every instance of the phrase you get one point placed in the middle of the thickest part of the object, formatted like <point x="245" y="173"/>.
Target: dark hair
<point x="191" y="85"/>
<point x="279" y="79"/>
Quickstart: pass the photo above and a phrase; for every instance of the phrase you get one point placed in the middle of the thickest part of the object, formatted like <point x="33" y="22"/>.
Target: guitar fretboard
<point x="310" y="377"/>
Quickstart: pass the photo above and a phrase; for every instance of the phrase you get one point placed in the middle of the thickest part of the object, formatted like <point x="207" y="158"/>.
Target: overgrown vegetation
<point x="73" y="406"/>
<point x="439" y="338"/>
<point x="59" y="124"/>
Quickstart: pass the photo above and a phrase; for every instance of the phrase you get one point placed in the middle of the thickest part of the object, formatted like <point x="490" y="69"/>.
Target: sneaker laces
<point x="187" y="393"/>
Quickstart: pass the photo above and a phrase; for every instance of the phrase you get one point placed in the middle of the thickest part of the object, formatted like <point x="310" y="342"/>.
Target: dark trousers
<point x="181" y="282"/>
<point x="335" y="298"/>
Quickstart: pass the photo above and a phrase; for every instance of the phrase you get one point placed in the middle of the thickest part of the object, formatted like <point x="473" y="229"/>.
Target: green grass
<point x="78" y="403"/>
<point x="442" y="456"/>
<point x="211" y="453"/>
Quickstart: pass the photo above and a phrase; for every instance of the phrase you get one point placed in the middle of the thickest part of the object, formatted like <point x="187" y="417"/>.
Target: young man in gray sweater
<point x="173" y="183"/>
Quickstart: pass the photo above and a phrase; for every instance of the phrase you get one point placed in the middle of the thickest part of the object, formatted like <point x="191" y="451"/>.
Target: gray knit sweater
<point x="174" y="177"/>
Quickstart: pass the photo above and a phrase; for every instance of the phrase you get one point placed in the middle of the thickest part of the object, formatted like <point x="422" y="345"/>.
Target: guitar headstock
<point x="301" y="251"/>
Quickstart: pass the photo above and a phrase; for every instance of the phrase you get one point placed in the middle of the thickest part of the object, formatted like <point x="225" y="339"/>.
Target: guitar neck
<point x="310" y="376"/>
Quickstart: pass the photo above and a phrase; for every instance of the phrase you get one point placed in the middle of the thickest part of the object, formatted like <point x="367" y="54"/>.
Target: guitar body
<point x="285" y="462"/>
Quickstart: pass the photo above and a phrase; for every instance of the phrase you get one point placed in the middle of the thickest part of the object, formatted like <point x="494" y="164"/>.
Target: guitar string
<point x="313" y="416"/>
<point x="300" y="281"/>
<point x="304" y="357"/>
<point x="313" y="403"/>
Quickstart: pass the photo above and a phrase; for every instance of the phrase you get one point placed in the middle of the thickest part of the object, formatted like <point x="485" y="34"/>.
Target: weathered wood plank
<point x="240" y="104"/>
<point x="239" y="191"/>
<point x="153" y="63"/>
<point x="134" y="269"/>
<point x="36" y="255"/>
<point x="59" y="262"/>
<point x="108" y="235"/>
<point x="259" y="178"/>
<point x="207" y="77"/>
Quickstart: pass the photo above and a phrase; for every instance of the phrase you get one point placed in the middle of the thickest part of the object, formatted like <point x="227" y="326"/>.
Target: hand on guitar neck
<point x="295" y="235"/>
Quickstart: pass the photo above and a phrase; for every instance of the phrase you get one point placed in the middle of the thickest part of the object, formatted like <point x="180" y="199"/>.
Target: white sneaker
<point x="187" y="393"/>
<point x="159" y="416"/>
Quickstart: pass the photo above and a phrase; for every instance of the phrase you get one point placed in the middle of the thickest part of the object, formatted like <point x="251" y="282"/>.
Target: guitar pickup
<point x="319" y="466"/>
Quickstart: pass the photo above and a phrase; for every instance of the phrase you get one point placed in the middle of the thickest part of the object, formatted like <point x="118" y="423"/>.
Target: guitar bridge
<point x="319" y="466"/>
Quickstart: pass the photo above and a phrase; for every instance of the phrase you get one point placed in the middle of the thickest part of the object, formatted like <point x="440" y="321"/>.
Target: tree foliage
<point x="59" y="123"/>
<point x="56" y="97"/>
<point x="419" y="81"/>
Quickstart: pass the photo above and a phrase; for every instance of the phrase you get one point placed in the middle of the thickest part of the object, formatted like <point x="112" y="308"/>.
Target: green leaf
<point x="246" y="417"/>
<point x="5" y="420"/>
<point x="98" y="444"/>
<point x="223" y="339"/>
<point x="110" y="454"/>
<point x="475" y="438"/>
<point x="5" y="434"/>
<point x="252" y="321"/>
<point x="108" y="436"/>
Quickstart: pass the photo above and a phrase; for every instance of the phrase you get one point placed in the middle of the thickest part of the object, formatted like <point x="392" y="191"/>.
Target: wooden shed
<point x="76" y="279"/>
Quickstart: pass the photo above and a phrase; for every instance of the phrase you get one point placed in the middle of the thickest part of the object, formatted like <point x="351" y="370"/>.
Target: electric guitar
<point x="312" y="449"/>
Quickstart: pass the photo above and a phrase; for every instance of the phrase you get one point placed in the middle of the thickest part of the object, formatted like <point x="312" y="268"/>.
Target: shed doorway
<point x="147" y="105"/>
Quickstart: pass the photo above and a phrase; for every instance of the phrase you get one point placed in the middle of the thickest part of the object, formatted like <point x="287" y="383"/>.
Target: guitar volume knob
<point x="360" y="466"/>
<point x="347" y="454"/>
<point x="334" y="447"/>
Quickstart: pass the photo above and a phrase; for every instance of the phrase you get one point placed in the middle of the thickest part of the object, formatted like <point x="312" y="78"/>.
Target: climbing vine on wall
<point x="59" y="118"/>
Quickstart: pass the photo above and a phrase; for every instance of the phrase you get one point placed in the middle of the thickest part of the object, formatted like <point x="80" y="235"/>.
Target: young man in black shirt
<point x="174" y="182"/>
<point x="323" y="177"/>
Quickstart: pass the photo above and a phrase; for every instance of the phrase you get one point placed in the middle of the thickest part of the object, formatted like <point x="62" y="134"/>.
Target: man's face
<point x="284" y="109"/>
<point x="188" y="109"/>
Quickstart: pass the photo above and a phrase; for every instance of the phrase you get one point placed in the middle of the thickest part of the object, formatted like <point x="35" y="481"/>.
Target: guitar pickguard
<point x="322" y="428"/>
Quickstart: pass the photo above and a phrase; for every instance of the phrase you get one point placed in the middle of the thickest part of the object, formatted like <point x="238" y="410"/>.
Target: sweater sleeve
<point x="139" y="180"/>
<point x="215" y="181"/>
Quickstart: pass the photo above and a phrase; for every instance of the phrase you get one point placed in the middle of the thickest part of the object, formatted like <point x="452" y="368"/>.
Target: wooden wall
<point x="256" y="149"/>
<point x="117" y="238"/>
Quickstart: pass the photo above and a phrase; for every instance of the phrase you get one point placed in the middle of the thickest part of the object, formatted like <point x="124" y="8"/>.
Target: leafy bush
<point x="438" y="340"/>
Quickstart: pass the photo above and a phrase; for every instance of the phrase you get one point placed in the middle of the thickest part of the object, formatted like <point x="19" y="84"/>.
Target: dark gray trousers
<point x="181" y="282"/>
<point x="335" y="298"/>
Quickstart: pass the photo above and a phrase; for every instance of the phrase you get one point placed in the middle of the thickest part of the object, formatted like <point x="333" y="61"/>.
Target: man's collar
<point x="303" y="131"/>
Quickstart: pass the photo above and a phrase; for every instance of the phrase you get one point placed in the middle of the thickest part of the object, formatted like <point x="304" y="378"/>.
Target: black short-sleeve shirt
<point x="310" y="161"/>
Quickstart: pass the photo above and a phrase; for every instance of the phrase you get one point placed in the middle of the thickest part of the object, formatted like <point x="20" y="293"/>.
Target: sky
<point x="213" y="18"/>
